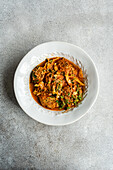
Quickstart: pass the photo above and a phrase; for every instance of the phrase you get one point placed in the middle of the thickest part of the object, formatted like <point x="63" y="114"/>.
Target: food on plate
<point x="57" y="84"/>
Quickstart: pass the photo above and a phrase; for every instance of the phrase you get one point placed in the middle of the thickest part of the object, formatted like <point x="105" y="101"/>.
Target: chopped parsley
<point x="72" y="81"/>
<point x="34" y="76"/>
<point x="75" y="102"/>
<point x="62" y="97"/>
<point x="66" y="101"/>
<point x="80" y="97"/>
<point x="77" y="90"/>
<point x="52" y="96"/>
<point x="61" y="106"/>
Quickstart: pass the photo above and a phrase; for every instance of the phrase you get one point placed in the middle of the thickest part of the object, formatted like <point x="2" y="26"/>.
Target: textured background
<point x="25" y="143"/>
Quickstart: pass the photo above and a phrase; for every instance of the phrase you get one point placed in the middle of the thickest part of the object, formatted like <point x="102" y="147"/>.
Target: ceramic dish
<point x="38" y="55"/>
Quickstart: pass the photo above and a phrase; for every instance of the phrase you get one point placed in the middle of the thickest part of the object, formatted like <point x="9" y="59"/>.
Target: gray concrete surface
<point x="27" y="144"/>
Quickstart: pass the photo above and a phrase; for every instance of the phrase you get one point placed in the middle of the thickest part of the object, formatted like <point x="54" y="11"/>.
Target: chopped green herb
<point x="62" y="97"/>
<point x="68" y="107"/>
<point x="52" y="96"/>
<point x="63" y="103"/>
<point x="34" y="76"/>
<point x="59" y="103"/>
<point x="66" y="101"/>
<point x="68" y="94"/>
<point x="51" y="61"/>
<point x="77" y="90"/>
<point x="80" y="97"/>
<point x="72" y="81"/>
<point x="75" y="102"/>
<point x="61" y="106"/>
<point x="48" y="82"/>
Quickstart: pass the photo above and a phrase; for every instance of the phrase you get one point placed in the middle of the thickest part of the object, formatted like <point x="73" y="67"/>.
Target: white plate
<point x="36" y="56"/>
